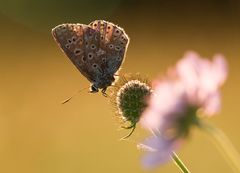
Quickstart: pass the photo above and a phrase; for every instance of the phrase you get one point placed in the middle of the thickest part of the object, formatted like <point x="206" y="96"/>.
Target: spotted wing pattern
<point x="97" y="49"/>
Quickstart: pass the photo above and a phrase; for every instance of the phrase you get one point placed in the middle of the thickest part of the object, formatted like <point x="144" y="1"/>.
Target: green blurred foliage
<point x="42" y="14"/>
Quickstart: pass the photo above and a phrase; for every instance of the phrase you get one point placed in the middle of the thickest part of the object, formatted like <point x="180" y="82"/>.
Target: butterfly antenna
<point x="68" y="99"/>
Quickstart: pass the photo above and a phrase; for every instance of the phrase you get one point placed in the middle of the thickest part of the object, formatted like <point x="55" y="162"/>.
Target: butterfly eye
<point x="93" y="46"/>
<point x="123" y="40"/>
<point x="104" y="59"/>
<point x="74" y="39"/>
<point x="119" y="58"/>
<point x="110" y="46"/>
<point x="81" y="40"/>
<point x="77" y="51"/>
<point x="78" y="27"/>
<point x="117" y="32"/>
<point x="94" y="65"/>
<point x="62" y="29"/>
<point x="117" y="48"/>
<point x="83" y="58"/>
<point x="90" y="55"/>
<point x="109" y="27"/>
<point x="67" y="46"/>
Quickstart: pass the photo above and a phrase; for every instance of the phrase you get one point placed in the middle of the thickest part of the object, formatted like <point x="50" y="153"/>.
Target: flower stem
<point x="179" y="163"/>
<point x="224" y="145"/>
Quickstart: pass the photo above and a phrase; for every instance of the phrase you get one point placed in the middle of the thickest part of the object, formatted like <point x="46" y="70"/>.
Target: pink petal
<point x="202" y="78"/>
<point x="166" y="99"/>
<point x="154" y="159"/>
<point x="186" y="70"/>
<point x="158" y="149"/>
<point x="220" y="68"/>
<point x="212" y="104"/>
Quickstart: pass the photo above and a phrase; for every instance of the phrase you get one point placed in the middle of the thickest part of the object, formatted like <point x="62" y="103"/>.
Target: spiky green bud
<point x="130" y="100"/>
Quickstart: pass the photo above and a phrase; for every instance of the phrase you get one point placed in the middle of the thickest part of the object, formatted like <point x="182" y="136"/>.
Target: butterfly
<point x="97" y="50"/>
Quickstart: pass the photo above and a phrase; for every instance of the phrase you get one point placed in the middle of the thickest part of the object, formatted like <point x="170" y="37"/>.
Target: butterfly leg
<point x="104" y="92"/>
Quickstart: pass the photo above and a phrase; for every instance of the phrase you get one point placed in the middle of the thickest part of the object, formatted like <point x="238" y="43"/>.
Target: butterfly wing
<point x="112" y="47"/>
<point x="74" y="40"/>
<point x="97" y="49"/>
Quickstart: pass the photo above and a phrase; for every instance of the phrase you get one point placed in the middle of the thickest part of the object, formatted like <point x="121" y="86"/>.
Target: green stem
<point x="179" y="163"/>
<point x="224" y="145"/>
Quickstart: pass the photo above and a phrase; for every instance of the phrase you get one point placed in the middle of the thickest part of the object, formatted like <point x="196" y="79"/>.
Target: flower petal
<point x="220" y="68"/>
<point x="201" y="77"/>
<point x="163" y="103"/>
<point x="159" y="150"/>
<point x="213" y="104"/>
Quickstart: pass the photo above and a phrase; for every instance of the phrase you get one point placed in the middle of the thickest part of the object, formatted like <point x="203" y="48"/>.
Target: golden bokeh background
<point x="39" y="135"/>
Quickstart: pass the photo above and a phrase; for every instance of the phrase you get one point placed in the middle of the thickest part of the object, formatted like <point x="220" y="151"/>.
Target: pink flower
<point x="202" y="79"/>
<point x="167" y="98"/>
<point x="192" y="85"/>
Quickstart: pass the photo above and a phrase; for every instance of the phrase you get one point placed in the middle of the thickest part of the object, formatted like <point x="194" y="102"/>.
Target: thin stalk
<point x="224" y="145"/>
<point x="179" y="163"/>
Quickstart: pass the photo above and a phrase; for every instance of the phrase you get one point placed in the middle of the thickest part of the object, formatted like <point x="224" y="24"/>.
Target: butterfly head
<point x="103" y="82"/>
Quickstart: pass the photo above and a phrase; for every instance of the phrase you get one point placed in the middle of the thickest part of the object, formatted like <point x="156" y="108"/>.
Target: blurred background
<point x="38" y="134"/>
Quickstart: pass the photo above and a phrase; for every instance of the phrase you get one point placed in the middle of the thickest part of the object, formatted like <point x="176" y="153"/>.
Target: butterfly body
<point x="97" y="50"/>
